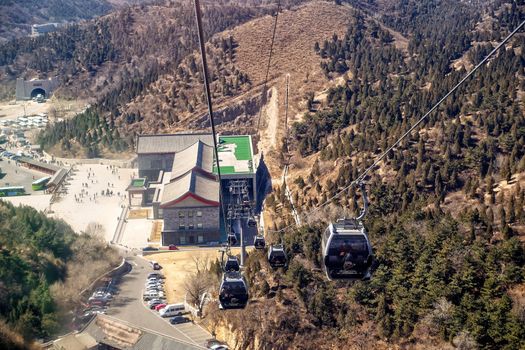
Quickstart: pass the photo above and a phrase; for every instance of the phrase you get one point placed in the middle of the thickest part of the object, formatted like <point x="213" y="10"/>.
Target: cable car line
<point x="202" y="43"/>
<point x="361" y="177"/>
<point x="233" y="291"/>
<point x="269" y="62"/>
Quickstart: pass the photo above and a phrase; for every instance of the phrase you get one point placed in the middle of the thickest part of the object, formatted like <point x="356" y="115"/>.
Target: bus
<point x="12" y="191"/>
<point x="40" y="184"/>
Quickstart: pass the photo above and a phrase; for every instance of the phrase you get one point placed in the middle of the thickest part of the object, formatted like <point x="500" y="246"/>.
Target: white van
<point x="172" y="310"/>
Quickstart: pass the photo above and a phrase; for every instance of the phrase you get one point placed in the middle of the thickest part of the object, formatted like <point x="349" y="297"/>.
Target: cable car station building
<point x="181" y="182"/>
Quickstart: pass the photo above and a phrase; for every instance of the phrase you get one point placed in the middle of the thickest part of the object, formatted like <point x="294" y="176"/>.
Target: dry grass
<point x="296" y="33"/>
<point x="156" y="230"/>
<point x="88" y="252"/>
<point x="177" y="265"/>
<point x="138" y="214"/>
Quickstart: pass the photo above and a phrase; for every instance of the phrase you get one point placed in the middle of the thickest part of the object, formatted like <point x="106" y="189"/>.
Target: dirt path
<point x="177" y="265"/>
<point x="270" y="123"/>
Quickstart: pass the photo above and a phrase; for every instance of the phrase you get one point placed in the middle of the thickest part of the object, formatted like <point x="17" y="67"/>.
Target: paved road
<point x="16" y="175"/>
<point x="128" y="306"/>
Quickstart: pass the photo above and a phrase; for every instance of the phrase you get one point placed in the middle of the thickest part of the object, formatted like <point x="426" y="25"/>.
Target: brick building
<point x="183" y="188"/>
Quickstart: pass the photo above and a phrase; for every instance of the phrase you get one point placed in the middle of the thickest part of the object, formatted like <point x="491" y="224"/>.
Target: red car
<point x="172" y="247"/>
<point x="159" y="307"/>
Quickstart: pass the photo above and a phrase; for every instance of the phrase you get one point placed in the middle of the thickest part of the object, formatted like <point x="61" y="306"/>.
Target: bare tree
<point x="96" y="230"/>
<point x="199" y="282"/>
<point x="195" y="286"/>
<point x="465" y="341"/>
<point x="202" y="264"/>
<point x="440" y="315"/>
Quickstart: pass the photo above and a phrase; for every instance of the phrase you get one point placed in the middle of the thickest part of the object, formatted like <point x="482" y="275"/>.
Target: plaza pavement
<point x="84" y="202"/>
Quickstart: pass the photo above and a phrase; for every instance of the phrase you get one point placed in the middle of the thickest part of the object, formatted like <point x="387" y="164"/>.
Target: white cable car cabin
<point x="233" y="292"/>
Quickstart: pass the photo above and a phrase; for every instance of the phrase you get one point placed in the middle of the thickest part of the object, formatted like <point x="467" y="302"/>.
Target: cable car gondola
<point x="233" y="293"/>
<point x="252" y="222"/>
<point x="232" y="239"/>
<point x="347" y="252"/>
<point x="277" y="256"/>
<point x="232" y="264"/>
<point x="259" y="242"/>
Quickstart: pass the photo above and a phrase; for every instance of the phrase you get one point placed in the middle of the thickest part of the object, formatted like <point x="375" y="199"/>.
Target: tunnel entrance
<point x="38" y="91"/>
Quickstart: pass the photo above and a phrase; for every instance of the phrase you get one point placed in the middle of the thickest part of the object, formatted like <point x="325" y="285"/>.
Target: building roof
<point x="137" y="184"/>
<point x="199" y="155"/>
<point x="235" y="155"/>
<point x="57" y="178"/>
<point x="193" y="184"/>
<point x="36" y="163"/>
<point x="81" y="341"/>
<point x="122" y="335"/>
<point x="169" y="143"/>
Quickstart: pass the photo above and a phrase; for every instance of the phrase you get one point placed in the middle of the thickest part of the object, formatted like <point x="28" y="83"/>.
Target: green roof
<point x="138" y="182"/>
<point x="236" y="155"/>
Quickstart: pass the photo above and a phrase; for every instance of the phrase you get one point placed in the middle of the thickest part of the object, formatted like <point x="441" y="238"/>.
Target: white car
<point x="155" y="279"/>
<point x="219" y="347"/>
<point x="148" y="295"/>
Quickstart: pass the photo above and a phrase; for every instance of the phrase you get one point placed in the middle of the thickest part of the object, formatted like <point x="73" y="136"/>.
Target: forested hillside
<point x="17" y="16"/>
<point x="42" y="271"/>
<point x="116" y="58"/>
<point x="168" y="95"/>
<point x="447" y="216"/>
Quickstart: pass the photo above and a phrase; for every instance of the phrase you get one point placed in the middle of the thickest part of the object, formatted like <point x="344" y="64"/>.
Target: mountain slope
<point x="16" y="16"/>
<point x="447" y="214"/>
<point x="172" y="98"/>
<point x="297" y="31"/>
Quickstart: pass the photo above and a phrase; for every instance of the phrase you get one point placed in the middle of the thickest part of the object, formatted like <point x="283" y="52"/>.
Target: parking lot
<point x="14" y="175"/>
<point x="129" y="306"/>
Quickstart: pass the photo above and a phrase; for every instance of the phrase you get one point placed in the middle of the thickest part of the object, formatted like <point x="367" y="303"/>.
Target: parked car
<point x="94" y="308"/>
<point x="106" y="295"/>
<point x="154" y="287"/>
<point x="149" y="249"/>
<point x="98" y="302"/>
<point x="153" y="284"/>
<point x="156" y="275"/>
<point x="154" y="302"/>
<point x="179" y="320"/>
<point x="155" y="265"/>
<point x="160" y="307"/>
<point x="101" y="296"/>
<point x="215" y="344"/>
<point x="172" y="310"/>
<point x="160" y="292"/>
<point x="172" y="247"/>
<point x="219" y="347"/>
<point x="155" y="279"/>
<point x="93" y="312"/>
<point x="148" y="295"/>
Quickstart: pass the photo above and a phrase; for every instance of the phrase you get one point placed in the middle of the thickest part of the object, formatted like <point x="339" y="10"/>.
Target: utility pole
<point x="286" y="112"/>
